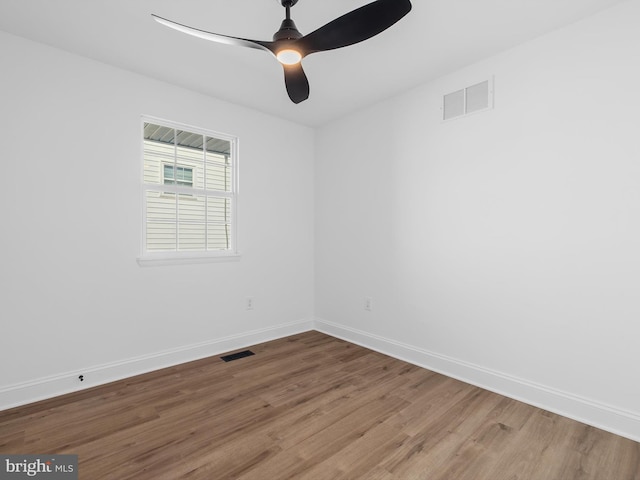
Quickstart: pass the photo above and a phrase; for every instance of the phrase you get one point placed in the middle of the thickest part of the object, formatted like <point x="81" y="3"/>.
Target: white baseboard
<point x="52" y="386"/>
<point x="604" y="417"/>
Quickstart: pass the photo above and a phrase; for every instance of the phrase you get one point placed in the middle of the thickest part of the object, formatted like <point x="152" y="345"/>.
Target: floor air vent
<point x="236" y="356"/>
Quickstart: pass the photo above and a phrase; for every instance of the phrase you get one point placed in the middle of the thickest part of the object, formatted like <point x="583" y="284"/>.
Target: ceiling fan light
<point x="289" y="56"/>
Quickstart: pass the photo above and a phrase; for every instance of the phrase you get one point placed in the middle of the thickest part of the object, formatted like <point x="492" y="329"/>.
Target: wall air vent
<point x="475" y="98"/>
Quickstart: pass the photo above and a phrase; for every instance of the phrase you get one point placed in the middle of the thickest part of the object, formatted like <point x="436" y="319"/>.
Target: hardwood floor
<point x="311" y="407"/>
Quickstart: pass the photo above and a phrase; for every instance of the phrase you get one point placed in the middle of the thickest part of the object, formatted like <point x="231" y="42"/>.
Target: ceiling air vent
<point x="475" y="98"/>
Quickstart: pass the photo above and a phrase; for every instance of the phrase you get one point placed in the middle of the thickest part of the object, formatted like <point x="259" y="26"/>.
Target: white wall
<point x="501" y="248"/>
<point x="73" y="299"/>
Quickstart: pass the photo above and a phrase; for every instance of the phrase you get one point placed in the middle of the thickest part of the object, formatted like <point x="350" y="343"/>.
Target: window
<point x="189" y="194"/>
<point x="179" y="174"/>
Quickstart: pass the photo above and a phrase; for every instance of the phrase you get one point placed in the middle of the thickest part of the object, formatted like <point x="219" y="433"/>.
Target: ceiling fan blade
<point x="355" y="26"/>
<point x="215" y="37"/>
<point x="296" y="82"/>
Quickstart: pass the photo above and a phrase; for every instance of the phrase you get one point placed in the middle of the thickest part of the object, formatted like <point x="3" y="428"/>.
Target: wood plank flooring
<point x="311" y="407"/>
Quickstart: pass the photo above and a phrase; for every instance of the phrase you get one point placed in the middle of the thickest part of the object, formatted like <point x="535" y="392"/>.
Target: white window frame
<point x="147" y="258"/>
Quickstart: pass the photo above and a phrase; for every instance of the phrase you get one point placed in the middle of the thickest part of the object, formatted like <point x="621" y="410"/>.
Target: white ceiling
<point x="435" y="38"/>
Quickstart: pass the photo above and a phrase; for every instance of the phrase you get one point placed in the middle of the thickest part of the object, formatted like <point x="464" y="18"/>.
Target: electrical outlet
<point x="367" y="304"/>
<point x="249" y="303"/>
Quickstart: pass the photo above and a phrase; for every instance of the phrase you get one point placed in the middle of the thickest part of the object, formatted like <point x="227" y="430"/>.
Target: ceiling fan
<point x="289" y="46"/>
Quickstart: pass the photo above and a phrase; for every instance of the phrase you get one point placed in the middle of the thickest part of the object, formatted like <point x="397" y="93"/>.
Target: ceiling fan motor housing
<point x="288" y="31"/>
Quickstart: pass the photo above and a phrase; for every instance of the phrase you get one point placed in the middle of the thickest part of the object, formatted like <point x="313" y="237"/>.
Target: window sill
<point x="160" y="260"/>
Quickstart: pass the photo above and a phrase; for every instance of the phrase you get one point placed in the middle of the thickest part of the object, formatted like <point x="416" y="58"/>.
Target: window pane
<point x="218" y="210"/>
<point x="218" y="158"/>
<point x="161" y="222"/>
<point x="184" y="174"/>
<point x="219" y="223"/>
<point x="191" y="222"/>
<point x="218" y="177"/>
<point x="191" y="237"/>
<point x="158" y="150"/>
<point x="190" y="159"/>
<point x="169" y="177"/>
<point x="218" y="237"/>
<point x="216" y="146"/>
<point x="161" y="237"/>
<point x="160" y="206"/>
